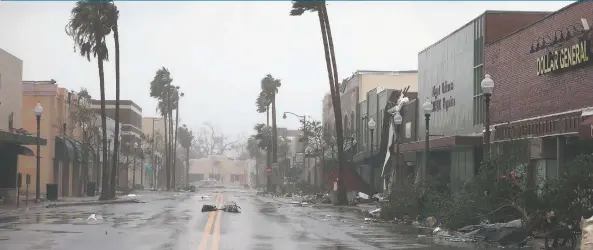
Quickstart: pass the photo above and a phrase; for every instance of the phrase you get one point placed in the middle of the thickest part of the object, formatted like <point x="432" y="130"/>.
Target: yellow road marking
<point x="208" y="227"/>
<point x="216" y="237"/>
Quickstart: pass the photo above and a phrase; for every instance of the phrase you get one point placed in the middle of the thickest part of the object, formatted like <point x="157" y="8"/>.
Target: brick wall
<point x="500" y="24"/>
<point x="519" y="92"/>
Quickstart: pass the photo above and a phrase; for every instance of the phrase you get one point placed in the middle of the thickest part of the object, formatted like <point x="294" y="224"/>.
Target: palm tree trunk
<point x="116" y="139"/>
<point x="334" y="89"/>
<point x="175" y="141"/>
<point x="105" y="194"/>
<point x="166" y="168"/>
<point x="274" y="132"/>
<point x="170" y="146"/>
<point x="268" y="152"/>
<point x="171" y="156"/>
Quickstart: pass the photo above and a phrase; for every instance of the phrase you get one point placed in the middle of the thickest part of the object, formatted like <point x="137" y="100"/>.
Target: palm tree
<point x="160" y="88"/>
<point x="178" y="95"/>
<point x="263" y="105"/>
<point x="298" y="8"/>
<point x="88" y="27"/>
<point x="269" y="88"/>
<point x="185" y="138"/>
<point x="113" y="17"/>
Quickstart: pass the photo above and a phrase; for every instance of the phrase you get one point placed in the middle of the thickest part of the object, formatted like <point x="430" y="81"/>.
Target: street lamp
<point x="487" y="87"/>
<point x="142" y="148"/>
<point x="372" y="125"/>
<point x="397" y="120"/>
<point x="38" y="111"/>
<point x="135" y="145"/>
<point x="427" y="107"/>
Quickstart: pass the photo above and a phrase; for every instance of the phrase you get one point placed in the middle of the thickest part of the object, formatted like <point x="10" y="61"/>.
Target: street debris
<point x="208" y="208"/>
<point x="231" y="207"/>
<point x="94" y="217"/>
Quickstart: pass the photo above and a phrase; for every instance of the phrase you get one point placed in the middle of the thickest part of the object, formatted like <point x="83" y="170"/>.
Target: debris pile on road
<point x="209" y="208"/>
<point x="231" y="207"/>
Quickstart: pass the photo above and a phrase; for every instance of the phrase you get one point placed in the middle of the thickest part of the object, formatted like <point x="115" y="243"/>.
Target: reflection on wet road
<point x="174" y="221"/>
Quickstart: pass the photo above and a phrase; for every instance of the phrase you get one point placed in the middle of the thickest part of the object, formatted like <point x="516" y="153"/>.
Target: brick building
<point x="543" y="87"/>
<point x="449" y="76"/>
<point x="130" y="118"/>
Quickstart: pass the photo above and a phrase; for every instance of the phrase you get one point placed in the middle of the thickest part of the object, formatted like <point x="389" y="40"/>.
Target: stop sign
<point x="268" y="170"/>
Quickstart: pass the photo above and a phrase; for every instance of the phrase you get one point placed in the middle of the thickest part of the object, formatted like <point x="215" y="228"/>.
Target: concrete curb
<point x="91" y="203"/>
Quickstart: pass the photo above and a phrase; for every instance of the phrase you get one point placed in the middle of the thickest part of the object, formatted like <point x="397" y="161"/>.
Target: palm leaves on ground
<point x="90" y="22"/>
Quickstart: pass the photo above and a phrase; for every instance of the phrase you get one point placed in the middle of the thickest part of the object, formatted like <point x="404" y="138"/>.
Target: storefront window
<point x="478" y="100"/>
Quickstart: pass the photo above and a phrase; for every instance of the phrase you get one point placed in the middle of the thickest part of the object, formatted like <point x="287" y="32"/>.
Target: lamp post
<point x="397" y="120"/>
<point x="135" y="145"/>
<point x="38" y="111"/>
<point x="427" y="107"/>
<point x="303" y="119"/>
<point x="142" y="166"/>
<point x="99" y="162"/>
<point x="487" y="87"/>
<point x="372" y="125"/>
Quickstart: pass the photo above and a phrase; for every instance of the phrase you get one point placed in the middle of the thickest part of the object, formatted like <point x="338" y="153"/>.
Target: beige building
<point x="154" y="127"/>
<point x="12" y="137"/>
<point x="11" y="76"/>
<point x="219" y="167"/>
<point x="61" y="159"/>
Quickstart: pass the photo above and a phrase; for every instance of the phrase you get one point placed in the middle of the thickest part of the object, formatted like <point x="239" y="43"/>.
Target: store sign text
<point x="564" y="58"/>
<point x="445" y="103"/>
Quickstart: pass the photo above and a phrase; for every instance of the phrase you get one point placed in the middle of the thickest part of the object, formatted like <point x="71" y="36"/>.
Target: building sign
<point x="442" y="103"/>
<point x="564" y="58"/>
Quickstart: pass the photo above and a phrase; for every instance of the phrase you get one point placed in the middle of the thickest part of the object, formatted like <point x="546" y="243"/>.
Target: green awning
<point x="22" y="150"/>
<point x="21" y="139"/>
<point x="64" y="149"/>
<point x="16" y="148"/>
<point x="77" y="148"/>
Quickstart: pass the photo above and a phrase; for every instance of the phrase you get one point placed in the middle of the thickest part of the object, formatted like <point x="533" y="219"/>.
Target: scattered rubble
<point x="231" y="207"/>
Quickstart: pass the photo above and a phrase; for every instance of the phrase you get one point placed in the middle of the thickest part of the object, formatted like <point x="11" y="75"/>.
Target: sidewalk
<point x="137" y="197"/>
<point x="359" y="208"/>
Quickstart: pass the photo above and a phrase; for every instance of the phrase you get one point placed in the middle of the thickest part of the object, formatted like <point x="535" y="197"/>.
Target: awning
<point x="17" y="149"/>
<point x="64" y="149"/>
<point x="443" y="142"/>
<point x="23" y="150"/>
<point x="77" y="148"/>
<point x="21" y="139"/>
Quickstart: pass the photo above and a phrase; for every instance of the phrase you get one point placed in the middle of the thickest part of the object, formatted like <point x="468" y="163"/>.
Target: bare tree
<point x="210" y="141"/>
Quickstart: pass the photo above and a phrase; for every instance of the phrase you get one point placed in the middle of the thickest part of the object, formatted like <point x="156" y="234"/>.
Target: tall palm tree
<point x="113" y="17"/>
<point x="298" y="8"/>
<point x="178" y="95"/>
<point x="185" y="138"/>
<point x="160" y="88"/>
<point x="269" y="88"/>
<point x="88" y="26"/>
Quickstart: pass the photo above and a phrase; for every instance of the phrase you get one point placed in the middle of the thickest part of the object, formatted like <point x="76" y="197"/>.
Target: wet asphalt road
<point x="173" y="221"/>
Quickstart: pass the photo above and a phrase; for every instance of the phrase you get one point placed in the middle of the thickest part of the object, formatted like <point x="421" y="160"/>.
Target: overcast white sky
<point x="218" y="51"/>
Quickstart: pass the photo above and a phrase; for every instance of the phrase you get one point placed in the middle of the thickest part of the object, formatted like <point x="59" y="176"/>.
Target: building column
<point x="560" y="154"/>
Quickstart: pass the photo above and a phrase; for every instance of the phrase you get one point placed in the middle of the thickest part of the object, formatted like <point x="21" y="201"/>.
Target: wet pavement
<point x="174" y="221"/>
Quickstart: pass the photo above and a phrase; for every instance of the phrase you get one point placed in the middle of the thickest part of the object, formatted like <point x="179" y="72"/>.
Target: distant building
<point x="130" y="118"/>
<point x="219" y="167"/>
